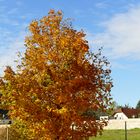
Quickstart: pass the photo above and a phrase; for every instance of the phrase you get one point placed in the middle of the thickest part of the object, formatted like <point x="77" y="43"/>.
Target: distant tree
<point x="124" y="106"/>
<point x="138" y="105"/>
<point x="114" y="105"/>
<point x="127" y="106"/>
<point x="57" y="81"/>
<point x="112" y="108"/>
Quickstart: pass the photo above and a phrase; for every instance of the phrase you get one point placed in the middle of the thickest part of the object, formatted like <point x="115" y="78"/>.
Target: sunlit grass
<point x="133" y="134"/>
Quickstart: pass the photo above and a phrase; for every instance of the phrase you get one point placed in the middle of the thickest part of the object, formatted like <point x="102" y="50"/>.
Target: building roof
<point x="129" y="112"/>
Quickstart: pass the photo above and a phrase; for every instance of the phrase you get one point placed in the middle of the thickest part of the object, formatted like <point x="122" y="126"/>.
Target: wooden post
<point x="125" y="130"/>
<point x="7" y="138"/>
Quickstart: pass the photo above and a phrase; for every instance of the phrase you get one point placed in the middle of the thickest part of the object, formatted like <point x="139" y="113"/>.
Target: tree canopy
<point x="138" y="105"/>
<point x="58" y="80"/>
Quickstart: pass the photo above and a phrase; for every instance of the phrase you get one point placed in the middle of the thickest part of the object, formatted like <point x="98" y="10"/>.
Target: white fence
<point x="120" y="124"/>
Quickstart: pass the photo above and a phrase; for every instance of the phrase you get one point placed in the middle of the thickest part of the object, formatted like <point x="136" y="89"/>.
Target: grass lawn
<point x="133" y="134"/>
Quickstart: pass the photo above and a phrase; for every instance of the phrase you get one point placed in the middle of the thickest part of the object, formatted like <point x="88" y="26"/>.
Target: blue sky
<point x="115" y="25"/>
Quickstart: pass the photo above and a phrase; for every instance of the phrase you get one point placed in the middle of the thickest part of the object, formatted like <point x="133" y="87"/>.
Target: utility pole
<point x="125" y="130"/>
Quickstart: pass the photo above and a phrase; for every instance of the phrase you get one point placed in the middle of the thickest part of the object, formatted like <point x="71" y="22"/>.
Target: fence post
<point x="7" y="135"/>
<point x="125" y="130"/>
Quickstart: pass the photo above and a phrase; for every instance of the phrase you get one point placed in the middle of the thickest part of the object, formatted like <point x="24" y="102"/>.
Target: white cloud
<point x="121" y="37"/>
<point x="12" y="11"/>
<point x="12" y="33"/>
<point x="101" y="5"/>
<point x="9" y="55"/>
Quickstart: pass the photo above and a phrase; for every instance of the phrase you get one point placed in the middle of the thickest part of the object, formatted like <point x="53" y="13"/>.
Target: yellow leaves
<point x="58" y="80"/>
<point x="51" y="11"/>
<point x="59" y="12"/>
<point x="63" y="110"/>
<point x="37" y="101"/>
<point x="1" y="83"/>
<point x="9" y="73"/>
<point x="34" y="28"/>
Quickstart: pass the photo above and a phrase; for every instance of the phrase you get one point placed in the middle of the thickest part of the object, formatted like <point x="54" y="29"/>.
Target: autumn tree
<point x="58" y="80"/>
<point x="138" y="105"/>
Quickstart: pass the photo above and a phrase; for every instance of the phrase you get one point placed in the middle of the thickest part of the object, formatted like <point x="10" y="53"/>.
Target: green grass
<point x="133" y="134"/>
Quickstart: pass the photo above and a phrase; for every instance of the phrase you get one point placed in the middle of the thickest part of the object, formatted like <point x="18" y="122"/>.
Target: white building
<point x="120" y="116"/>
<point x="125" y="113"/>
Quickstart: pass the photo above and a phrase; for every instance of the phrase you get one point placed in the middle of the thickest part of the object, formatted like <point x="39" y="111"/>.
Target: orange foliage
<point x="57" y="81"/>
